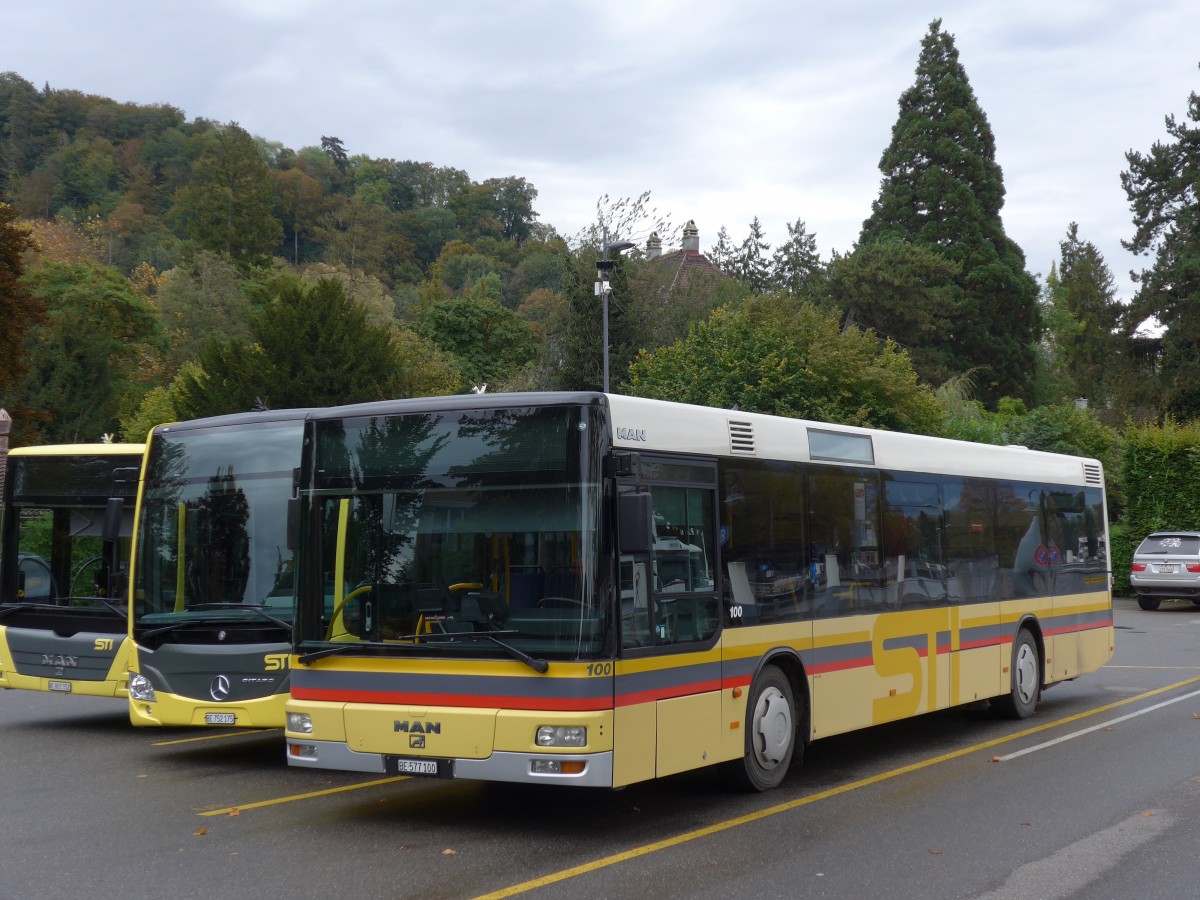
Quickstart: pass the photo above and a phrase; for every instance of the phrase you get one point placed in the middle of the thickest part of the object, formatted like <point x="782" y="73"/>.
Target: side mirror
<point x="113" y="510"/>
<point x="635" y="532"/>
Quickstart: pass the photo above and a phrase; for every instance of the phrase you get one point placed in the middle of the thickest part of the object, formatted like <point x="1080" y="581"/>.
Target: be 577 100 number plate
<point x="429" y="768"/>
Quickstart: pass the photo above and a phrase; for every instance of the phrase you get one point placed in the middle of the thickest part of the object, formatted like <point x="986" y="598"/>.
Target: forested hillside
<point x="154" y="267"/>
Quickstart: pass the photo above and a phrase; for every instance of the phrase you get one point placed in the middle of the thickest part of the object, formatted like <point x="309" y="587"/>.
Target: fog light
<point x="140" y="688"/>
<point x="303" y="751"/>
<point x="300" y="723"/>
<point x="557" y="767"/>
<point x="561" y="736"/>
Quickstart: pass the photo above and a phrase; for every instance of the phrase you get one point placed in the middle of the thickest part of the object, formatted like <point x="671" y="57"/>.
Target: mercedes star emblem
<point x="219" y="689"/>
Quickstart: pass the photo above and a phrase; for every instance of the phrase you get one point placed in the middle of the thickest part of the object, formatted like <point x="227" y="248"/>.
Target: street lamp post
<point x="604" y="289"/>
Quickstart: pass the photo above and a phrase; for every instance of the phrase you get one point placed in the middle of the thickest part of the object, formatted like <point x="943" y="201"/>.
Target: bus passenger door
<point x="669" y="679"/>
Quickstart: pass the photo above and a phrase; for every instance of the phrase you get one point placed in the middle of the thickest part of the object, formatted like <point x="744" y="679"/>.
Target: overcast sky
<point x="723" y="110"/>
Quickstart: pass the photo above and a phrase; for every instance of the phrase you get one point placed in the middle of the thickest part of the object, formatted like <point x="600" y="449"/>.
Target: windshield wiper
<point x="442" y="637"/>
<point x="163" y="629"/>
<point x="538" y="665"/>
<point x="287" y="626"/>
<point x="337" y="649"/>
<point x="18" y="605"/>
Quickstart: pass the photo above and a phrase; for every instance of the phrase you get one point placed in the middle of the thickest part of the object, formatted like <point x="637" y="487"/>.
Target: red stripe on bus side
<point x="679" y="690"/>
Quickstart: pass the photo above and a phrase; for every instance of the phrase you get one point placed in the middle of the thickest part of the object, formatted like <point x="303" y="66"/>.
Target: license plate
<point x="219" y="718"/>
<point x="64" y="686"/>
<point x="434" y="768"/>
<point x="1166" y="568"/>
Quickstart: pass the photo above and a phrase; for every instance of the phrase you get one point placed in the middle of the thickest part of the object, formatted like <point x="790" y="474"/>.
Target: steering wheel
<point x="83" y="567"/>
<point x="337" y="610"/>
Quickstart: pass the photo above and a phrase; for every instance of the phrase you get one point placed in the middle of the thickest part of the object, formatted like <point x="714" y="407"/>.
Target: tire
<point x="1149" y="603"/>
<point x="1026" y="680"/>
<point x="771" y="722"/>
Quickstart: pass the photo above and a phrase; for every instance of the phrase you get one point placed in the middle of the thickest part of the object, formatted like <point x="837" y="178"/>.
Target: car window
<point x="1170" y="543"/>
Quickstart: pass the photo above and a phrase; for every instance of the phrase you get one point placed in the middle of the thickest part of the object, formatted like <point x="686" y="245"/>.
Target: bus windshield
<point x="54" y="542"/>
<point x="212" y="536"/>
<point x="452" y="533"/>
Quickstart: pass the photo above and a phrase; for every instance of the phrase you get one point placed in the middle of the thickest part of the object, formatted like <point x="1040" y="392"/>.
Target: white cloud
<point x="724" y="111"/>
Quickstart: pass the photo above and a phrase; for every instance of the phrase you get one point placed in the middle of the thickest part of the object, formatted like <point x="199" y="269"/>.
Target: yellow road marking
<point x="686" y="837"/>
<point x="213" y="737"/>
<point x="1156" y="668"/>
<point x="292" y="799"/>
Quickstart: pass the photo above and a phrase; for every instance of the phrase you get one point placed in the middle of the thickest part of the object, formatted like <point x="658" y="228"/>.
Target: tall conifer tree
<point x="1163" y="187"/>
<point x="942" y="188"/>
<point x="1086" y="289"/>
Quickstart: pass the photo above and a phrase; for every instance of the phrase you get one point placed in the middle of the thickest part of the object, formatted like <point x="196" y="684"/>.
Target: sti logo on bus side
<point x="631" y="434"/>
<point x="417" y="727"/>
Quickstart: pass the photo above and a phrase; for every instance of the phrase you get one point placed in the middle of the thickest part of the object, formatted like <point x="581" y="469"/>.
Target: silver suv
<point x="1166" y="565"/>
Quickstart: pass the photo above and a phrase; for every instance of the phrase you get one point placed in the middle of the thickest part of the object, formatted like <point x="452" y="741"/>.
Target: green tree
<point x="200" y="300"/>
<point x="942" y="188"/>
<point x="227" y="205"/>
<point x="490" y="342"/>
<point x="796" y="265"/>
<point x="1163" y="187"/>
<point x="300" y="201"/>
<point x="312" y="346"/>
<point x="777" y="354"/>
<point x="753" y="262"/>
<point x="513" y="198"/>
<point x="723" y="254"/>
<point x="906" y="293"/>
<point x="84" y="358"/>
<point x="1087" y="294"/>
<point x="19" y="311"/>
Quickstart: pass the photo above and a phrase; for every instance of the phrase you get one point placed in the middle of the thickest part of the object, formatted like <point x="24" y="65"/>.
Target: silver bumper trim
<point x="598" y="771"/>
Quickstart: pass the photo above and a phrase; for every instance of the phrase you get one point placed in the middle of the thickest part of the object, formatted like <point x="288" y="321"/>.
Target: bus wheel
<point x="1026" y="674"/>
<point x="770" y="731"/>
<point x="1149" y="603"/>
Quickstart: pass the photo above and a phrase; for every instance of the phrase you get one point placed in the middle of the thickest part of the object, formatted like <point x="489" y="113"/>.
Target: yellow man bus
<point x="64" y="557"/>
<point x="598" y="590"/>
<point x="211" y="608"/>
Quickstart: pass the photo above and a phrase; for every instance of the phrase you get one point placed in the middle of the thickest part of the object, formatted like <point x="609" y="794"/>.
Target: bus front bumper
<point x="526" y="768"/>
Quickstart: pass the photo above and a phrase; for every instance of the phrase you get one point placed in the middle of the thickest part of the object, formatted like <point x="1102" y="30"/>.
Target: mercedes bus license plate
<point x="219" y="718"/>
<point x="436" y="768"/>
<point x="64" y="686"/>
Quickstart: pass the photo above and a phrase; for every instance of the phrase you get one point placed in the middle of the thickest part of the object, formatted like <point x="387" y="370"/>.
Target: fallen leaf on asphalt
<point x="235" y="812"/>
<point x="201" y="831"/>
<point x="936" y="852"/>
<point x="1147" y="815"/>
<point x="449" y="852"/>
<point x="995" y="759"/>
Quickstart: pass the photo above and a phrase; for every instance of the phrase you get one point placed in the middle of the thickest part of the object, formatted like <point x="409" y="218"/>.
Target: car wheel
<point x="1149" y="603"/>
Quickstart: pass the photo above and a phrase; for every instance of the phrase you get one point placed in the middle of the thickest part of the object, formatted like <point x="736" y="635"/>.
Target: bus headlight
<point x="299" y="723"/>
<point x="140" y="688"/>
<point x="562" y="736"/>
